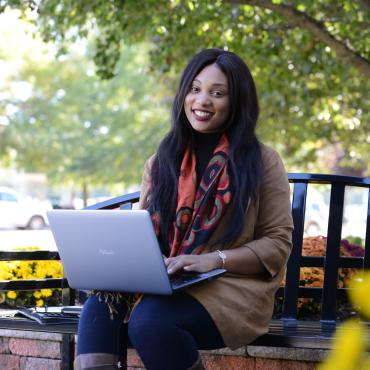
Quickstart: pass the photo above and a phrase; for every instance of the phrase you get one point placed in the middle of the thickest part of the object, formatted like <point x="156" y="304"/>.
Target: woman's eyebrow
<point x="215" y="84"/>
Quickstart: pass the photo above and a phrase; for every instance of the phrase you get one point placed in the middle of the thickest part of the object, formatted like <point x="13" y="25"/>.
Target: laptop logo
<point x="106" y="252"/>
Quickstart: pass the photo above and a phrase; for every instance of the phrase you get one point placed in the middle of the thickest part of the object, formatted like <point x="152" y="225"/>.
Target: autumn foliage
<point x="313" y="277"/>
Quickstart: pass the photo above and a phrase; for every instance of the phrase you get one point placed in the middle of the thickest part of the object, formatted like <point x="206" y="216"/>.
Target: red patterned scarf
<point x="199" y="210"/>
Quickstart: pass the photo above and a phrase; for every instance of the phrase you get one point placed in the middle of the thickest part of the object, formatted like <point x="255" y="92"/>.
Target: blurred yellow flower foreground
<point x="350" y="343"/>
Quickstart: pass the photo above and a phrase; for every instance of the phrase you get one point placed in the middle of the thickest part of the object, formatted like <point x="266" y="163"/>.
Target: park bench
<point x="287" y="331"/>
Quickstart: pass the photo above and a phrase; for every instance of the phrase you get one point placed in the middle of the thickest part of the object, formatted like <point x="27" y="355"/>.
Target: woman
<point x="218" y="198"/>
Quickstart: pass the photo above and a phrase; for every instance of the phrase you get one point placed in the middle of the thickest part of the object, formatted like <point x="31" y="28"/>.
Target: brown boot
<point x="198" y="365"/>
<point x="98" y="361"/>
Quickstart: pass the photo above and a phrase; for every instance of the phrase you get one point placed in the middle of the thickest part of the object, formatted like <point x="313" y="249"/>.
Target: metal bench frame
<point x="285" y="332"/>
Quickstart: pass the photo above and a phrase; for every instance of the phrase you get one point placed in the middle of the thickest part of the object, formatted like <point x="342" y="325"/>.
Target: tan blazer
<point x="242" y="305"/>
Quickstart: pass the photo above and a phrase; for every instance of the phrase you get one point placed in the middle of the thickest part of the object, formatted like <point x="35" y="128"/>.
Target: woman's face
<point x="207" y="105"/>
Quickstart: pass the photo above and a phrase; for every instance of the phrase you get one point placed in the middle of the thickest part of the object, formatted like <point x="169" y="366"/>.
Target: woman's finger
<point x="193" y="267"/>
<point x="186" y="262"/>
<point x="174" y="266"/>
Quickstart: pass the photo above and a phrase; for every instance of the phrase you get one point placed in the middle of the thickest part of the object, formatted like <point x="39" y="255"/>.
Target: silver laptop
<point x="115" y="250"/>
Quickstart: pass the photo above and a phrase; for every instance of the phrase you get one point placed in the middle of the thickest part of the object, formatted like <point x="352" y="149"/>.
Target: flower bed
<point x="17" y="270"/>
<point x="309" y="308"/>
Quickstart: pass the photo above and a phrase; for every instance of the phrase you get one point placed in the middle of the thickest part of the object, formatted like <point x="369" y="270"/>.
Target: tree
<point x="76" y="128"/>
<point x="310" y="60"/>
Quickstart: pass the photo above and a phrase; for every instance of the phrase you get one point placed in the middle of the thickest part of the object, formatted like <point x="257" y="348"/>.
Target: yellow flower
<point x="37" y="294"/>
<point x="12" y="294"/>
<point x="39" y="302"/>
<point x="349" y="344"/>
<point x="25" y="270"/>
<point x="46" y="292"/>
<point x="4" y="270"/>
<point x="359" y="292"/>
<point x="47" y="269"/>
<point x="40" y="272"/>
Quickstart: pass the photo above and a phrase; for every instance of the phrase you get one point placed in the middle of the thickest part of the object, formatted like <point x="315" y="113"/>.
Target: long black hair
<point x="245" y="168"/>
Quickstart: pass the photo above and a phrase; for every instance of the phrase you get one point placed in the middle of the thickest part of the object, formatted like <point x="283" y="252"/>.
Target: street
<point x="11" y="239"/>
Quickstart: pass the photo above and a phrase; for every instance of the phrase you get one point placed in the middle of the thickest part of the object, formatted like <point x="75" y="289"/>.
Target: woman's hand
<point x="191" y="262"/>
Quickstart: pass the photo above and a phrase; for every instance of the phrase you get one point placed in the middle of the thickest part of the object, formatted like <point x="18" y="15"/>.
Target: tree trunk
<point x="85" y="194"/>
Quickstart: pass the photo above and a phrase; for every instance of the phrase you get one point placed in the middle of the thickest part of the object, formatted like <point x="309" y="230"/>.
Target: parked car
<point x="21" y="212"/>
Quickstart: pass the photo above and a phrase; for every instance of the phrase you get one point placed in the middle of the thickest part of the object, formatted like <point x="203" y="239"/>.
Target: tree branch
<point x="316" y="28"/>
<point x="366" y="4"/>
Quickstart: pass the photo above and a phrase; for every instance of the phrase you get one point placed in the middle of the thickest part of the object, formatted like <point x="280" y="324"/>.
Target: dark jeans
<point x="166" y="331"/>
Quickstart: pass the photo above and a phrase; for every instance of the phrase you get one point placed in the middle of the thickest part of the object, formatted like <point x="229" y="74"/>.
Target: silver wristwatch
<point x="222" y="256"/>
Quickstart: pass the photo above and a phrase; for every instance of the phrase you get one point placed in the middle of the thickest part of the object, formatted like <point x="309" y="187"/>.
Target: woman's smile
<point x="202" y="115"/>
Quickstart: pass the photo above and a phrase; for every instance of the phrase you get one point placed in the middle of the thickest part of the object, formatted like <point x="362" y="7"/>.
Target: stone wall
<point x="250" y="358"/>
<point x="25" y="350"/>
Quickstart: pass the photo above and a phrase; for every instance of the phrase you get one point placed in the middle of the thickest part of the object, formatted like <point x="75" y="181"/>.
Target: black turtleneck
<point x="204" y="145"/>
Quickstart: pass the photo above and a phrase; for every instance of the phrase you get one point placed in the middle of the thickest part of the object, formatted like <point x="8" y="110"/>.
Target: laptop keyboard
<point x="181" y="279"/>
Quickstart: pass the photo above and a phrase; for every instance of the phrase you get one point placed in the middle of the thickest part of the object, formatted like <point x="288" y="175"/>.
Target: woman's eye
<point x="194" y="89"/>
<point x="218" y="93"/>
